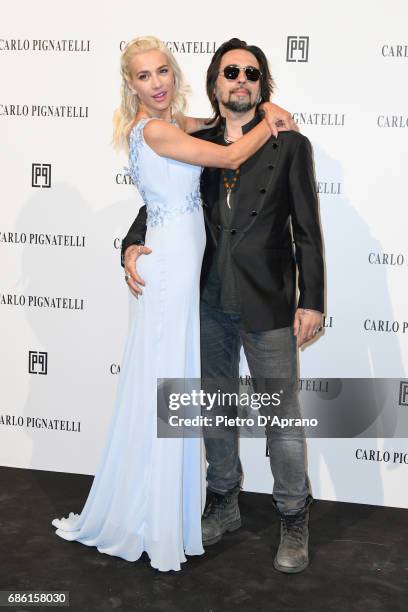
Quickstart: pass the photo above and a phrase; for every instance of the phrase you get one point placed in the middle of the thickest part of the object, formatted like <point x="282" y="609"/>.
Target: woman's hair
<point x="266" y="81"/>
<point x="129" y="104"/>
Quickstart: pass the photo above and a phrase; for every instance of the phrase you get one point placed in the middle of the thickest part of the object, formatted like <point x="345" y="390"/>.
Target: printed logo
<point x="327" y="321"/>
<point x="394" y="51"/>
<point x="392" y="121"/>
<point x="328" y="188"/>
<point x="41" y="175"/>
<point x="27" y="44"/>
<point x="64" y="240"/>
<point x="386" y="259"/>
<point x="297" y="49"/>
<point x="403" y="393"/>
<point x="328" y="119"/>
<point x="44" y="110"/>
<point x="191" y="47"/>
<point x="37" y="362"/>
<point x="383" y="325"/>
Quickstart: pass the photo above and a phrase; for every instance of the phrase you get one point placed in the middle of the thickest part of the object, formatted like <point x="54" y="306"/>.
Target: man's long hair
<point x="267" y="83"/>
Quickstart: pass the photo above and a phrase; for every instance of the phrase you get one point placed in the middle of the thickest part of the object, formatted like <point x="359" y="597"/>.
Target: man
<point x="262" y="223"/>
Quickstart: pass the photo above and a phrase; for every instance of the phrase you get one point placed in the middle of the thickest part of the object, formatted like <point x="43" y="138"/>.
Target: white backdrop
<point x="349" y="97"/>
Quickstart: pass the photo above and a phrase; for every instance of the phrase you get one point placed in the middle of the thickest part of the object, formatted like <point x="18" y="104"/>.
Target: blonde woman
<point x="146" y="494"/>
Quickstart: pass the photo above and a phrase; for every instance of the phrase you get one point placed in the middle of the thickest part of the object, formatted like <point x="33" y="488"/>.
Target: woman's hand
<point x="278" y="119"/>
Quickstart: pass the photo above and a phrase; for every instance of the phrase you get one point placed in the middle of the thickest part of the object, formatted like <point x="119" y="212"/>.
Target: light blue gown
<point x="146" y="494"/>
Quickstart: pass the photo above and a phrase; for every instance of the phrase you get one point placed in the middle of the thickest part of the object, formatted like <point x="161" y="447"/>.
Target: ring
<point x="126" y="277"/>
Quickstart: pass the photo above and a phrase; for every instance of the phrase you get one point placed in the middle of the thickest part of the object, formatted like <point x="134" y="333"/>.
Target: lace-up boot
<point x="221" y="514"/>
<point x="293" y="555"/>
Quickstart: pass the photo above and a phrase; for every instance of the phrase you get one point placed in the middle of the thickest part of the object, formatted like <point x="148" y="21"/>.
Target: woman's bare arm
<point x="170" y="141"/>
<point x="278" y="118"/>
<point x="195" y="124"/>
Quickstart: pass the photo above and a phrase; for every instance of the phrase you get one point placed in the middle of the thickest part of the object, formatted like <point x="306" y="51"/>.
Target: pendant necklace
<point x="230" y="180"/>
<point x="230" y="177"/>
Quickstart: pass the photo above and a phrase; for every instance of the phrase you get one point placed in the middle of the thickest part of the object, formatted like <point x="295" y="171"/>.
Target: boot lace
<point x="215" y="502"/>
<point x="293" y="527"/>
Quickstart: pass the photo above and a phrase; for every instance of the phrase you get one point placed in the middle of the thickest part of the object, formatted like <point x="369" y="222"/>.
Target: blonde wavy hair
<point x="129" y="104"/>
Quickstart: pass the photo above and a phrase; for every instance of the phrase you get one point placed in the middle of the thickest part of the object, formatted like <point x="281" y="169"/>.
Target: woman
<point x="146" y="494"/>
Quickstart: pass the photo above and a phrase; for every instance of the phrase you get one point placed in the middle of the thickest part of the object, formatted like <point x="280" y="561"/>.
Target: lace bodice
<point x="167" y="187"/>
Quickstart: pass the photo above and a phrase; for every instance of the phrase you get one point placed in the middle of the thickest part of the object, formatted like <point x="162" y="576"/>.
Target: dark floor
<point x="358" y="558"/>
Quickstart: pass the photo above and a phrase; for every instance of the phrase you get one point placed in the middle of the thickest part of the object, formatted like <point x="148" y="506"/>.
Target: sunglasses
<point x="232" y="72"/>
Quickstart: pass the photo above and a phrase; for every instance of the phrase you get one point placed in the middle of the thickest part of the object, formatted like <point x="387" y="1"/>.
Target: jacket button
<point x="233" y="231"/>
<point x="274" y="146"/>
<point x="253" y="213"/>
<point x="271" y="166"/>
<point x="218" y="227"/>
<point x="263" y="190"/>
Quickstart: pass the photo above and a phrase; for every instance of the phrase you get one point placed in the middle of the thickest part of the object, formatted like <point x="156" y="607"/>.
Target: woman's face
<point x="153" y="81"/>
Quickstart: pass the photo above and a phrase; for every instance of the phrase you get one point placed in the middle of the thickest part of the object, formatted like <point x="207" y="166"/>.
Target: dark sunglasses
<point x="232" y="72"/>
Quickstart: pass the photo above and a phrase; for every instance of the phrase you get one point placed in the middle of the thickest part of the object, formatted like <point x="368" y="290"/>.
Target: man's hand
<point x="131" y="256"/>
<point x="307" y="324"/>
<point x="278" y="119"/>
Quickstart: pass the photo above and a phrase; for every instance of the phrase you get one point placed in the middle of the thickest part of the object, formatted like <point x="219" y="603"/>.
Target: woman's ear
<point x="129" y="86"/>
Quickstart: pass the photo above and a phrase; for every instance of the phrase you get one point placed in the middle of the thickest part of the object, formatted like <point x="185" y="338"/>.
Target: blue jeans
<point x="270" y="354"/>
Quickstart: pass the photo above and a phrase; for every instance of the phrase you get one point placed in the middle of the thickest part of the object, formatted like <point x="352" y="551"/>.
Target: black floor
<point x="358" y="558"/>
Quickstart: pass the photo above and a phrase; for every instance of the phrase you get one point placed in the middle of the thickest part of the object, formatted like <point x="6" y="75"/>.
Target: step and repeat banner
<point x="66" y="203"/>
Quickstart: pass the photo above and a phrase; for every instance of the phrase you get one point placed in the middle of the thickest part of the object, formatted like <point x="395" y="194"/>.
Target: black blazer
<point x="275" y="230"/>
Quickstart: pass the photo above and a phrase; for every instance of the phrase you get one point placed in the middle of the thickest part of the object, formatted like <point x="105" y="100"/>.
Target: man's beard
<point x="237" y="106"/>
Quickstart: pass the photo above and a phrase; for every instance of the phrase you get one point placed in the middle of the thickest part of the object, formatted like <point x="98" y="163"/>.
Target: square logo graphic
<point x="297" y="49"/>
<point x="41" y="175"/>
<point x="37" y="362"/>
<point x="403" y="393"/>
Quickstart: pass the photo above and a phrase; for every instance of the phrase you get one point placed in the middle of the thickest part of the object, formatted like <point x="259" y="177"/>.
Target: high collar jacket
<point x="275" y="229"/>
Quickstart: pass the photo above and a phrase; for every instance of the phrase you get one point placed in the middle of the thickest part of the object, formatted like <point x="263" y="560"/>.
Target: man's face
<point x="239" y="95"/>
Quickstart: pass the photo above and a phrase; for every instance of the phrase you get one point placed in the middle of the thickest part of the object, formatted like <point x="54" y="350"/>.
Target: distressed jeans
<point x="270" y="355"/>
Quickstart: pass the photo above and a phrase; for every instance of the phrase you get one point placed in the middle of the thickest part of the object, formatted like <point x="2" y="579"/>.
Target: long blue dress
<point x="146" y="494"/>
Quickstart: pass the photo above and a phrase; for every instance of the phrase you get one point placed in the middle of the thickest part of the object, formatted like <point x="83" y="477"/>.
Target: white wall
<point x="350" y="79"/>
